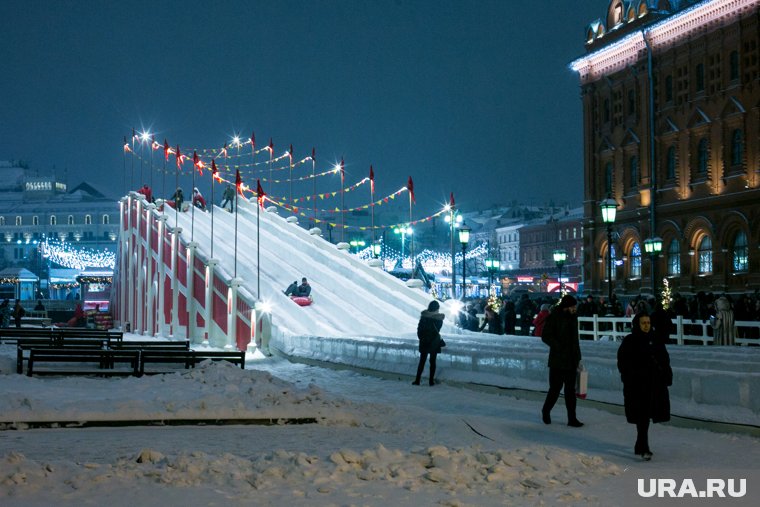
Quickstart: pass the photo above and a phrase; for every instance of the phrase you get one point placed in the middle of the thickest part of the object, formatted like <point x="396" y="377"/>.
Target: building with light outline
<point x="671" y="123"/>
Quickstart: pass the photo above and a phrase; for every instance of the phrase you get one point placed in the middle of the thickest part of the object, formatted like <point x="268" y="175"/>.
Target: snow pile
<point x="213" y="390"/>
<point x="520" y="476"/>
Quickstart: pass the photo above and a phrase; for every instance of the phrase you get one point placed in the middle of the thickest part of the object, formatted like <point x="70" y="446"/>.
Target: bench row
<point x="73" y="361"/>
<point x="14" y="334"/>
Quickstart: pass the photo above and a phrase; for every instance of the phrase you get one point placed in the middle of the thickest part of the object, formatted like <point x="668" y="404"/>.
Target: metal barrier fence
<point x="687" y="330"/>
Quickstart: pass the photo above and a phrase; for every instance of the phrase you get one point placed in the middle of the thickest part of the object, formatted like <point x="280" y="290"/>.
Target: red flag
<point x="238" y="182"/>
<point x="410" y="187"/>
<point x="253" y="143"/>
<point x="451" y="201"/>
<point x="179" y="157"/>
<point x="126" y="145"/>
<point x="342" y="169"/>
<point x="371" y="180"/>
<point x="290" y="153"/>
<point x="313" y="154"/>
<point x="197" y="162"/>
<point x="224" y="150"/>
<point x="166" y="150"/>
<point x="260" y="193"/>
<point x="215" y="171"/>
<point x="271" y="147"/>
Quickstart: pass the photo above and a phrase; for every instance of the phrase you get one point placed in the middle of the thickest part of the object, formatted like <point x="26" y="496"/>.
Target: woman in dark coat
<point x="644" y="366"/>
<point x="428" y="332"/>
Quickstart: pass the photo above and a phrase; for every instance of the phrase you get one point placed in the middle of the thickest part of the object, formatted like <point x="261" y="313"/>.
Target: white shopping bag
<point x="581" y="382"/>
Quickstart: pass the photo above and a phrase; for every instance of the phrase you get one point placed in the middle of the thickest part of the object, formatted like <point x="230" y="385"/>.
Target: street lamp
<point x="609" y="210"/>
<point x="560" y="256"/>
<point x="653" y="246"/>
<point x="492" y="265"/>
<point x="453" y="218"/>
<point x="376" y="248"/>
<point x="404" y="230"/>
<point x="357" y="243"/>
<point x="464" y="238"/>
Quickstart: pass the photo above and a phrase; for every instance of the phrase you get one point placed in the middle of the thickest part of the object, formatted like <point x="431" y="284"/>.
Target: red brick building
<point x="671" y="122"/>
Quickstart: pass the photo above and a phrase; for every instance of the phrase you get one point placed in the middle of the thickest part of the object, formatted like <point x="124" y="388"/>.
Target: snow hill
<point x="350" y="297"/>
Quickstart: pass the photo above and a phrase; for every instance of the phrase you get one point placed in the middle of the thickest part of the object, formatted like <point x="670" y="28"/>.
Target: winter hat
<point x="433" y="306"/>
<point x="567" y="301"/>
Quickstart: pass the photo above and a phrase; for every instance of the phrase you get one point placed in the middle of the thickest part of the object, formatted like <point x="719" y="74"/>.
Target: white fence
<point x="687" y="330"/>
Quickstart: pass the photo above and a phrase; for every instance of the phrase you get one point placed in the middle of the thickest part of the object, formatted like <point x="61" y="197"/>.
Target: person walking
<point x="644" y="366"/>
<point x="18" y="313"/>
<point x="178" y="198"/>
<point x="228" y="197"/>
<point x="198" y="200"/>
<point x="429" y="335"/>
<point x="560" y="333"/>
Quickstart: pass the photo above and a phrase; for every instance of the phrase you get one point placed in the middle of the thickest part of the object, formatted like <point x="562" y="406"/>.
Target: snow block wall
<point x="714" y="383"/>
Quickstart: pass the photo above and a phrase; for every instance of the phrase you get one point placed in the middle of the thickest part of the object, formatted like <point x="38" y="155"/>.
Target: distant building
<point x="670" y="93"/>
<point x="34" y="207"/>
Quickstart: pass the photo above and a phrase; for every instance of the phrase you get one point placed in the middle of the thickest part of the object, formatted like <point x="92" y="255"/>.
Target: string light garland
<point x="64" y="254"/>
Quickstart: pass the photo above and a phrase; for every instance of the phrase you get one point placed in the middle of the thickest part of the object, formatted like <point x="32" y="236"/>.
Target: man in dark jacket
<point x="429" y="334"/>
<point x="561" y="335"/>
<point x="304" y="289"/>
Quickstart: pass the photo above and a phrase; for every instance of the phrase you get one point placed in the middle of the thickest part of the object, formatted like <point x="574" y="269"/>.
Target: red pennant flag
<point x="238" y="182"/>
<point x="166" y="150"/>
<point x="451" y="201"/>
<point x="290" y="153"/>
<point x="224" y="150"/>
<point x="180" y="158"/>
<point x="410" y="187"/>
<point x="371" y="180"/>
<point x="215" y="171"/>
<point x="198" y="163"/>
<point x="271" y="147"/>
<point x="126" y="145"/>
<point x="154" y="144"/>
<point x="313" y="155"/>
<point x="253" y="143"/>
<point x="342" y="169"/>
<point x="260" y="193"/>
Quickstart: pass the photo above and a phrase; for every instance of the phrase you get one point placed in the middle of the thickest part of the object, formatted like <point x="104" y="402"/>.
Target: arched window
<point x="634" y="172"/>
<point x="636" y="261"/>
<point x="674" y="258"/>
<point x="88" y="220"/>
<point x="608" y="178"/>
<point x="19" y="221"/>
<point x="53" y="220"/>
<point x="35" y="220"/>
<point x="670" y="172"/>
<point x="741" y="253"/>
<point x="700" y="75"/>
<point x="737" y="147"/>
<point x="733" y="60"/>
<point x="71" y="220"/>
<point x="705" y="255"/>
<point x="702" y="156"/>
<point x="106" y="219"/>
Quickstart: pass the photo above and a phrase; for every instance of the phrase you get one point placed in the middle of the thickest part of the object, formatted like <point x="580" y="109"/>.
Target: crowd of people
<point x="642" y="359"/>
<point x="177" y="200"/>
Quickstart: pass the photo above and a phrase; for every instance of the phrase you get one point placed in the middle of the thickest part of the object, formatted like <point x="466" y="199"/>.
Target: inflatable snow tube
<point x="301" y="301"/>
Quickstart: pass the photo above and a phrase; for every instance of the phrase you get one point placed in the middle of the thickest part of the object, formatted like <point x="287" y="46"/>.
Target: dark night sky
<point x="472" y="97"/>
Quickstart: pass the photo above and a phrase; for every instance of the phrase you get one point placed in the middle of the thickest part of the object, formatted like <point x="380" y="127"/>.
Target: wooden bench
<point x="112" y="336"/>
<point x="151" y="344"/>
<point x="37" y="321"/>
<point x="188" y="358"/>
<point x="25" y="345"/>
<point x="12" y="334"/>
<point x="105" y="360"/>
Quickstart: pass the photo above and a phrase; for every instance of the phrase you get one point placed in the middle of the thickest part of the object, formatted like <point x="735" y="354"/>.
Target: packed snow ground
<point x="378" y="441"/>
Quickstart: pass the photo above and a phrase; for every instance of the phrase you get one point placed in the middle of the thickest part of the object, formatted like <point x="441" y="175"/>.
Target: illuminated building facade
<point x="671" y="123"/>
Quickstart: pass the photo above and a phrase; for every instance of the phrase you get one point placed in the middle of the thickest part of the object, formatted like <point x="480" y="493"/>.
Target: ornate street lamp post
<point x="653" y="246"/>
<point x="453" y="218"/>
<point x="560" y="256"/>
<point x="609" y="210"/>
<point x="464" y="238"/>
<point x="492" y="265"/>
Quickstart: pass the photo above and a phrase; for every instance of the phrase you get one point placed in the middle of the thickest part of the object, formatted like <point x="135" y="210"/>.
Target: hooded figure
<point x="291" y="290"/>
<point x="198" y="200"/>
<point x="429" y="335"/>
<point x="644" y="366"/>
<point x="540" y="320"/>
<point x="560" y="333"/>
<point x="228" y="198"/>
<point x="178" y="199"/>
<point x="724" y="322"/>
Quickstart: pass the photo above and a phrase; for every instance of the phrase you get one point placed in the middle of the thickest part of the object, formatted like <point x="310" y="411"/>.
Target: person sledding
<point x="198" y="200"/>
<point x="291" y="290"/>
<point x="302" y="293"/>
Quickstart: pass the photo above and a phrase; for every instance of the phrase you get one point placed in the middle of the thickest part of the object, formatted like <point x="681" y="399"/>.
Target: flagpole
<point x="176" y="192"/>
<point x="342" y="206"/>
<point x="271" y="153"/>
<point x="314" y="182"/>
<point x="372" y="202"/>
<point x="213" y="177"/>
<point x="192" y="199"/>
<point x="132" y="163"/>
<point x="142" y="156"/>
<point x="152" y="149"/>
<point x="163" y="175"/>
<point x="234" y="275"/>
<point x="124" y="158"/>
<point x="290" y="178"/>
<point x="258" y="240"/>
